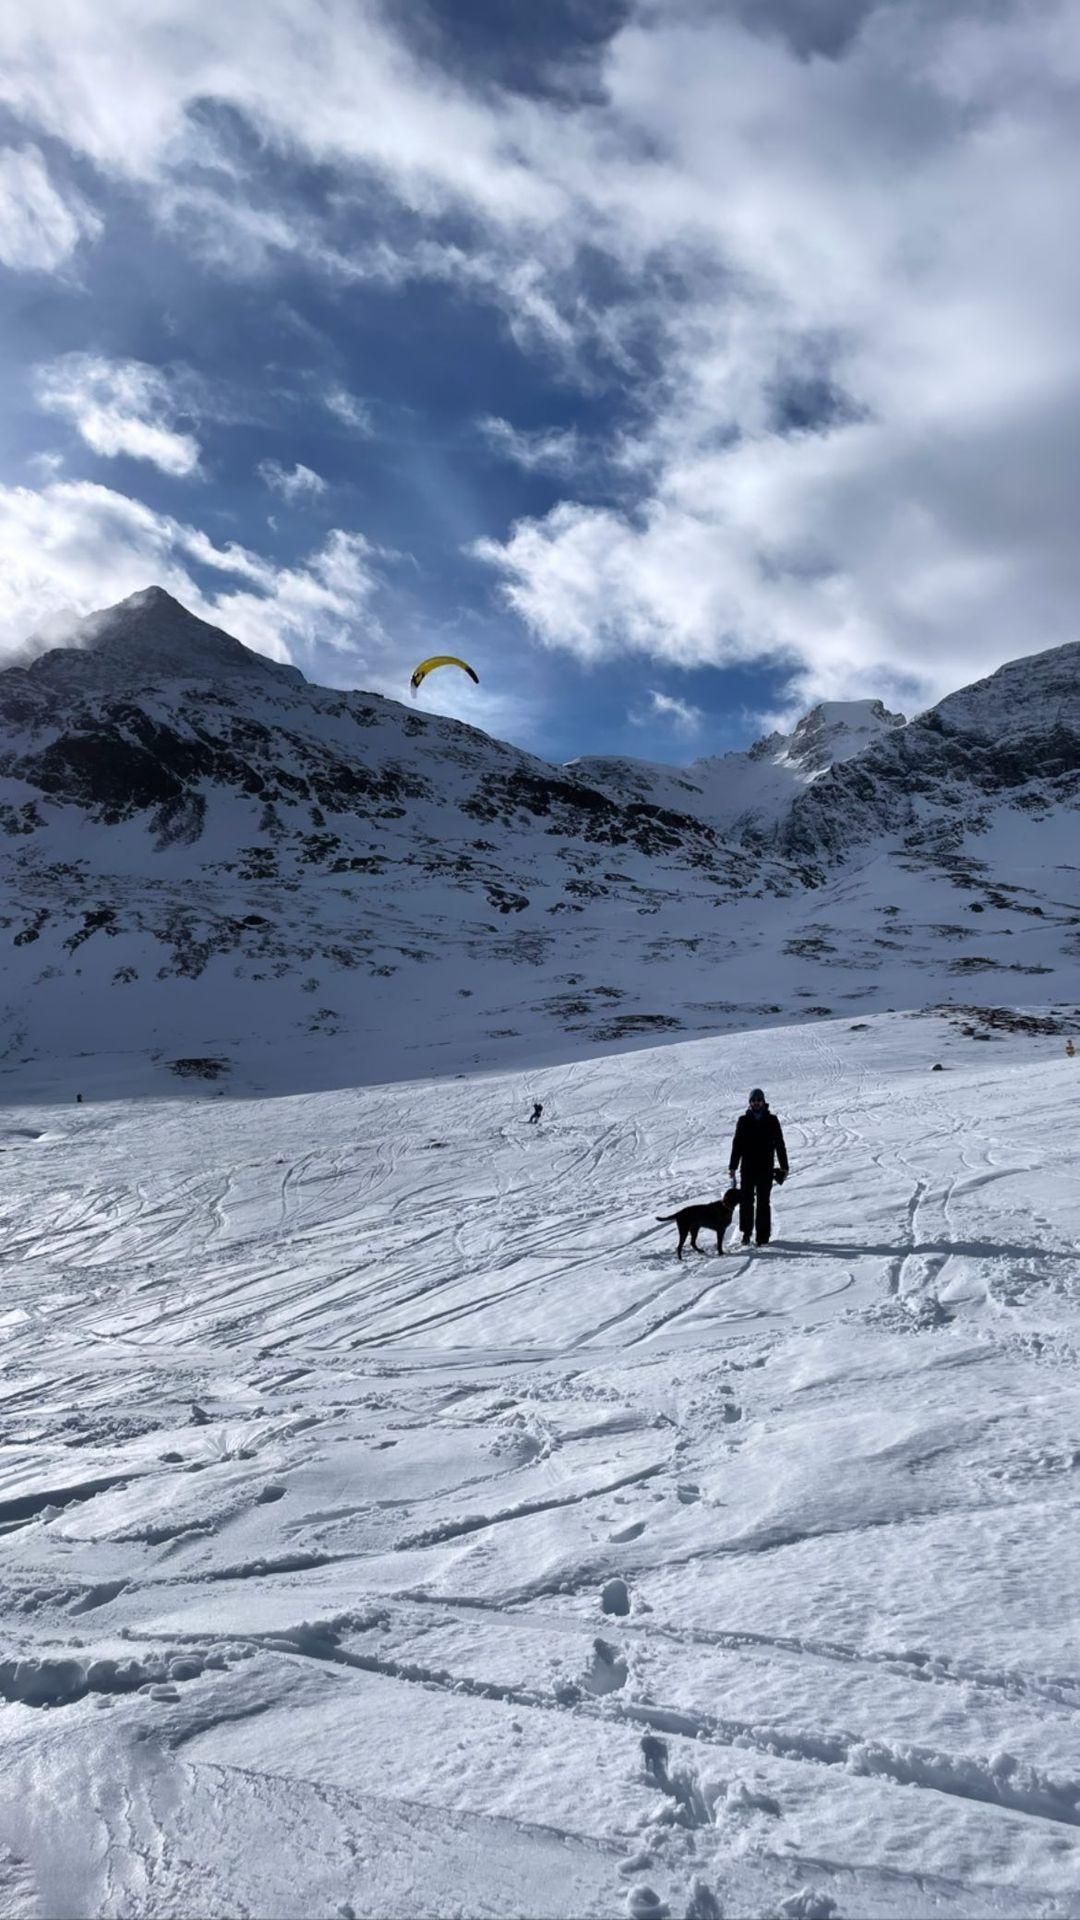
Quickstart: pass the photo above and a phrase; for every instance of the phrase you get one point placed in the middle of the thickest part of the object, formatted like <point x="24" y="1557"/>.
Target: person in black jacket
<point x="758" y="1143"/>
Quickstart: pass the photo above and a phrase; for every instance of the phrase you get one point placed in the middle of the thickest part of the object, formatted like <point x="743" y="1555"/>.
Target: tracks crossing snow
<point x="382" y="1425"/>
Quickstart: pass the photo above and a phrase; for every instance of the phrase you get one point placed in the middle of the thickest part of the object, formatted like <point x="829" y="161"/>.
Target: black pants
<point x="755" y="1189"/>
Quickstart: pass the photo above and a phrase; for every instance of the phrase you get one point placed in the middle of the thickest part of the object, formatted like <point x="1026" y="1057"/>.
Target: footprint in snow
<point x="809" y="1904"/>
<point x="607" y="1670"/>
<point x="740" y="1798"/>
<point x="644" y="1903"/>
<point x="691" y="1805"/>
<point x="615" y="1597"/>
<point x="703" y="1903"/>
<point x="632" y="1532"/>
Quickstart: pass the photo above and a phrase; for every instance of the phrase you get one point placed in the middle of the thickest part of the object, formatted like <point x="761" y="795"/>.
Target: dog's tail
<point x="665" y="1216"/>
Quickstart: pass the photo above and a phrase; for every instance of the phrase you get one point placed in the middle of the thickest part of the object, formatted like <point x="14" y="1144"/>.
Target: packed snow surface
<point x="394" y="1526"/>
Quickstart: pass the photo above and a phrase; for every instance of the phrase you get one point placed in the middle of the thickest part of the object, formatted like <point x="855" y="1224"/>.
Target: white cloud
<point x="849" y="228"/>
<point x="684" y="717"/>
<point x="886" y="225"/>
<point x="539" y="450"/>
<point x="39" y="227"/>
<point x="73" y="547"/>
<point x="48" y="463"/>
<point x="348" y="409"/>
<point x="135" y="91"/>
<point x="118" y="85"/>
<point x="293" y="483"/>
<point x="119" y="407"/>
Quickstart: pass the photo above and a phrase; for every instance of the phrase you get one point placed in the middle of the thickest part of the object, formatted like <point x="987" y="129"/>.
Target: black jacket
<point x="756" y="1143"/>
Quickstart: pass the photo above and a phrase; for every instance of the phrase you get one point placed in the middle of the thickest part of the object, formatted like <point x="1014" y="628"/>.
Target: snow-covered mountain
<point x="746" y="795"/>
<point x="955" y="778"/>
<point x="392" y="1522"/>
<point x="209" y="860"/>
<point x="833" y="731"/>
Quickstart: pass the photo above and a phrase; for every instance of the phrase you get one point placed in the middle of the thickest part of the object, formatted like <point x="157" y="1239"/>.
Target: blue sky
<point x="677" y="365"/>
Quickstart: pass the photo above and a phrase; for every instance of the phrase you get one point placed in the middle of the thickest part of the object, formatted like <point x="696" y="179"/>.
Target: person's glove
<point x="781" y="1176"/>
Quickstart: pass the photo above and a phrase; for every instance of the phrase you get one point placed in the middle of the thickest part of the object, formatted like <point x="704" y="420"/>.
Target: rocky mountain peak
<point x="1037" y="694"/>
<point x="833" y="731"/>
<point x="148" y="637"/>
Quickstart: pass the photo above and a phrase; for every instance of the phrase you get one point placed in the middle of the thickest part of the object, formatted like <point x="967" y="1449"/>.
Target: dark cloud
<point x="548" y="48"/>
<point x="825" y="27"/>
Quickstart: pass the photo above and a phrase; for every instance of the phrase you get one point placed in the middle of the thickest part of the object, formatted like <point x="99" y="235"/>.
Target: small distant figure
<point x="1070" y="1050"/>
<point x="937" y="1067"/>
<point x="78" y="1099"/>
<point x="535" y="1114"/>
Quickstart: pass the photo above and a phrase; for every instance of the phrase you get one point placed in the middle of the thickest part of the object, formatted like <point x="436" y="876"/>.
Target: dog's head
<point x="731" y="1199"/>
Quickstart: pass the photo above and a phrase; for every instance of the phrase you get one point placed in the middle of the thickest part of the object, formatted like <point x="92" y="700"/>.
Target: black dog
<point x="717" y="1214"/>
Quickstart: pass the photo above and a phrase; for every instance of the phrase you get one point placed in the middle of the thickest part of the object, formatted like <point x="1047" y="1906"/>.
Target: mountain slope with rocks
<point x="747" y="795"/>
<point x="214" y="869"/>
<point x="955" y="779"/>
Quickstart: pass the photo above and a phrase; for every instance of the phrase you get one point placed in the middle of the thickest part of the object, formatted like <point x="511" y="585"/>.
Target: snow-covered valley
<point x="394" y="1526"/>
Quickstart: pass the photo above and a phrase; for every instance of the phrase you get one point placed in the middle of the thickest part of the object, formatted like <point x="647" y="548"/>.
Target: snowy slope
<point x="213" y="868"/>
<point x="394" y="1527"/>
<point x="1033" y="699"/>
<point x="211" y="859"/>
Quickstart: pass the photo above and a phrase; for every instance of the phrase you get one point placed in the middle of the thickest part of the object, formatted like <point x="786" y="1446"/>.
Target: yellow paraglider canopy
<point x="441" y="660"/>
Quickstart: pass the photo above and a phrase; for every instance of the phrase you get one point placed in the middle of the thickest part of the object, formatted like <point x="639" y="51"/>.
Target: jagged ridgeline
<point x="214" y="869"/>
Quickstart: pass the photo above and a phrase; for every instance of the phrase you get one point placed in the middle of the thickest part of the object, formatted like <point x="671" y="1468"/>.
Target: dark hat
<point x="756" y="1093"/>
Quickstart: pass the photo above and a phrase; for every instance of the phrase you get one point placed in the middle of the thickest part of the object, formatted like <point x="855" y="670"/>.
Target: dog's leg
<point x="682" y="1237"/>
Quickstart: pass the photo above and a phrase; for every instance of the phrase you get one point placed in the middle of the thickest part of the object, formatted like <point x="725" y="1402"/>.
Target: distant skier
<point x="758" y="1144"/>
<point x="535" y="1114"/>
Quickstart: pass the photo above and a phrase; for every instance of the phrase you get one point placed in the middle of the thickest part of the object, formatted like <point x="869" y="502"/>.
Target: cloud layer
<point x="819" y="261"/>
<point x="40" y="228"/>
<point x="119" y="407"/>
<point x="73" y="547"/>
<point x="292" y="483"/>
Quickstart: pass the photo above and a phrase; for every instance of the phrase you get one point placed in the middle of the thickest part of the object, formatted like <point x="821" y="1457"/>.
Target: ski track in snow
<point x="393" y="1525"/>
